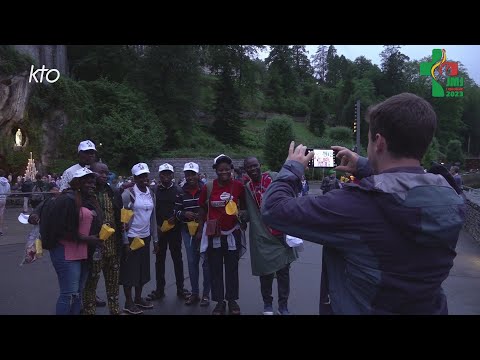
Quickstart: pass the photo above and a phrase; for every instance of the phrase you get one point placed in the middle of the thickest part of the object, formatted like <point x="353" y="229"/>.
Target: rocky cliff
<point x="52" y="56"/>
<point x="15" y="91"/>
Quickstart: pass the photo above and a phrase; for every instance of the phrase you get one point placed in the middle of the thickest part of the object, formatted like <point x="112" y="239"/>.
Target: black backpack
<point x="47" y="231"/>
<point x="37" y="196"/>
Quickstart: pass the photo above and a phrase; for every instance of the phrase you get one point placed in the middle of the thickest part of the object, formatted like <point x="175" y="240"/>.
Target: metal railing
<point x="471" y="190"/>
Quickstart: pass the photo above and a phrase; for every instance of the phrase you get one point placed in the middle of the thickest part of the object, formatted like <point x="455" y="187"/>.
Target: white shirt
<point x="142" y="211"/>
<point x="68" y="176"/>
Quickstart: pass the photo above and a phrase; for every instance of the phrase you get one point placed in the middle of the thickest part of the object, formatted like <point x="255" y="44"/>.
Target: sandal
<point x="219" y="308"/>
<point x="183" y="293"/>
<point x="205" y="301"/>
<point x="233" y="308"/>
<point x="155" y="295"/>
<point x="144" y="304"/>
<point x="193" y="299"/>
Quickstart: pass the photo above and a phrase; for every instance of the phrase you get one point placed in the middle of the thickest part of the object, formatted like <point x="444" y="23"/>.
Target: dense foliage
<point x="142" y="102"/>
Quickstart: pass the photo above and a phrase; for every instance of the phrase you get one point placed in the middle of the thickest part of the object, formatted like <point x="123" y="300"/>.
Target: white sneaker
<point x="267" y="310"/>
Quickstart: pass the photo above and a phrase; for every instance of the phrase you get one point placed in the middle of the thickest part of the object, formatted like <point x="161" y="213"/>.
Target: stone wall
<point x="472" y="223"/>
<point x="471" y="179"/>
<point x="178" y="163"/>
<point x="52" y="56"/>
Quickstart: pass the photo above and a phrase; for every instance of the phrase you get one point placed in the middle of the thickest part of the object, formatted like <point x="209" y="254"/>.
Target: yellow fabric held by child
<point x="137" y="243"/>
<point x="125" y="215"/>
<point x="192" y="227"/>
<point x="105" y="232"/>
<point x="166" y="226"/>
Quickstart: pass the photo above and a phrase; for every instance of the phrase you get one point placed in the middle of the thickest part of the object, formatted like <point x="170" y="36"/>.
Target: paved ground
<point x="33" y="288"/>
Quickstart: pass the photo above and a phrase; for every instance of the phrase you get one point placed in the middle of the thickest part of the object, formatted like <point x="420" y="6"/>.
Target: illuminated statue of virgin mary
<point x="18" y="138"/>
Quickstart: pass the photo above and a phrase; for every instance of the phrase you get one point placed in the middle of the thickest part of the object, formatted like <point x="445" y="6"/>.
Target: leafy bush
<point x="12" y="62"/>
<point x="454" y="152"/>
<point x="278" y="135"/>
<point x="340" y="133"/>
<point x="432" y="154"/>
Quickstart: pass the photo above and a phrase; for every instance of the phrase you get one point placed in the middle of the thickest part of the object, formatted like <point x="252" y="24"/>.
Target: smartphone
<point x="323" y="158"/>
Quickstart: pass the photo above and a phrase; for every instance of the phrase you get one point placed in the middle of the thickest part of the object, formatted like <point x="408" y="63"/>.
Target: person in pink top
<point x="76" y="227"/>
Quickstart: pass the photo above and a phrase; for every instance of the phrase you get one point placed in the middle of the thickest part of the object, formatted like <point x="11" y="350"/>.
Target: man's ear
<point x="380" y="143"/>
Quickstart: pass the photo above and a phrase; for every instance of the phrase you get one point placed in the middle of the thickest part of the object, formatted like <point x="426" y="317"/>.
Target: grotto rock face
<point x="14" y="95"/>
<point x="15" y="91"/>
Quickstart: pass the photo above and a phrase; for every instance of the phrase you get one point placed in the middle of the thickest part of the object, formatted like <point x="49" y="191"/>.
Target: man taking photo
<point x="389" y="241"/>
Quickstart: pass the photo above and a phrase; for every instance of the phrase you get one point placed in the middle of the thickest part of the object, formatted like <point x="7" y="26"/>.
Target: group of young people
<point x="388" y="238"/>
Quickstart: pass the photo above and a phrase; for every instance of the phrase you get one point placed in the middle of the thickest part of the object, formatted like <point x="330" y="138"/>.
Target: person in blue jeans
<point x="77" y="225"/>
<point x="186" y="210"/>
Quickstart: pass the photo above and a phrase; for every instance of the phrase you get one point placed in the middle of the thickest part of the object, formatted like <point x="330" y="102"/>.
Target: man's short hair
<point x="406" y="121"/>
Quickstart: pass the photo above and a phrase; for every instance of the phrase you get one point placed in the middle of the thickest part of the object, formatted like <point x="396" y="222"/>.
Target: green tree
<point x="111" y="114"/>
<point x="227" y="125"/>
<point x="278" y="135"/>
<point x="340" y="134"/>
<point x="319" y="62"/>
<point x="229" y="63"/>
<point x="283" y="86"/>
<point x="454" y="152"/>
<point x="91" y="62"/>
<point x="432" y="154"/>
<point x="169" y="75"/>
<point x="471" y="117"/>
<point x="318" y="113"/>
<point x="331" y="77"/>
<point x="394" y="69"/>
<point x="12" y="62"/>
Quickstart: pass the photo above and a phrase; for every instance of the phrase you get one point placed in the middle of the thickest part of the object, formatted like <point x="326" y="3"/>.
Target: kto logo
<point x="33" y="75"/>
<point x="439" y="63"/>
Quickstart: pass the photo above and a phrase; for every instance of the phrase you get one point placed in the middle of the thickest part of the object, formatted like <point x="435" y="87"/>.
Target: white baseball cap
<point x="82" y="172"/>
<point x="86" y="145"/>
<point x="220" y="157"/>
<point x="191" y="166"/>
<point x="165" y="167"/>
<point x="140" y="168"/>
<point x="23" y="218"/>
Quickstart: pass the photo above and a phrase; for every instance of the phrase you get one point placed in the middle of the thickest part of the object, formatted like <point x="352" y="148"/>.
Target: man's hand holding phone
<point x="298" y="154"/>
<point x="347" y="159"/>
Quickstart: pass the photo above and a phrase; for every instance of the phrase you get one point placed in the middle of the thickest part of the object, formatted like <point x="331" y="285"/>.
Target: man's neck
<point x="192" y="187"/>
<point x="166" y="185"/>
<point x="391" y="163"/>
<point x="101" y="187"/>
<point x="257" y="180"/>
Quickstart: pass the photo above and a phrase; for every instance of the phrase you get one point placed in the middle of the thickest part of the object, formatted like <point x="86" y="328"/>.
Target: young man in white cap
<point x="167" y="194"/>
<point x="186" y="211"/>
<point x="86" y="156"/>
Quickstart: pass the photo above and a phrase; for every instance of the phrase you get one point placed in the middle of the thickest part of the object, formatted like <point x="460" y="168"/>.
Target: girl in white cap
<point x="221" y="237"/>
<point x="135" y="267"/>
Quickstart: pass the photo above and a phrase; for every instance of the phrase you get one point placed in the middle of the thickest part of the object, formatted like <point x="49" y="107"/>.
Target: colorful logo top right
<point x="440" y="70"/>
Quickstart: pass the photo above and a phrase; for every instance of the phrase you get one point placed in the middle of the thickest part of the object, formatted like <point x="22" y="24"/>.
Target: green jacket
<point x="268" y="253"/>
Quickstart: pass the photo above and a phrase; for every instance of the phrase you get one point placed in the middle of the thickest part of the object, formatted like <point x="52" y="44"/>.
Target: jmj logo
<point x="42" y="71"/>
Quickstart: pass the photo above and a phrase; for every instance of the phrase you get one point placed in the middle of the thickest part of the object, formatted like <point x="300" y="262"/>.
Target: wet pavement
<point x="32" y="289"/>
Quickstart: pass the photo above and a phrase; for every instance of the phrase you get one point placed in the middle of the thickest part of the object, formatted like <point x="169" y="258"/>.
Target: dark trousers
<point x="283" y="284"/>
<point x="173" y="241"/>
<point x="216" y="259"/>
